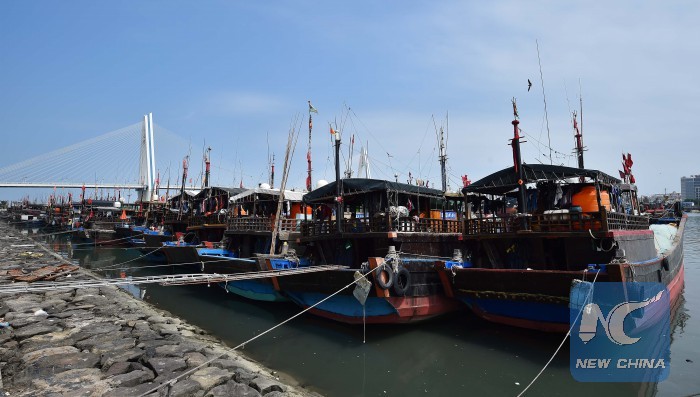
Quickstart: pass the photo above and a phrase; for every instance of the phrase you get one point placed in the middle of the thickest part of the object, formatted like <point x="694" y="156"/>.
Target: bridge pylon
<point x="147" y="168"/>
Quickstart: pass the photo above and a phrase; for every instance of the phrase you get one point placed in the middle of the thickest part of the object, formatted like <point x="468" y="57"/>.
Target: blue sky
<point x="234" y="73"/>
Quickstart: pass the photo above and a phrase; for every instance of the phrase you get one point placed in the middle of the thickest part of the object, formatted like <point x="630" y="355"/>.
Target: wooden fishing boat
<point x="570" y="225"/>
<point x="248" y="240"/>
<point x="398" y="223"/>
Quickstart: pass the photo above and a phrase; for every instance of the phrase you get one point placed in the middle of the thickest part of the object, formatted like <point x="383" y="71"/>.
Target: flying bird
<point x="529" y="84"/>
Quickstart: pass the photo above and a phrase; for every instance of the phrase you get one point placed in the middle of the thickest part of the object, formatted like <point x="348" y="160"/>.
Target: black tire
<point x="389" y="277"/>
<point x="664" y="263"/>
<point x="402" y="281"/>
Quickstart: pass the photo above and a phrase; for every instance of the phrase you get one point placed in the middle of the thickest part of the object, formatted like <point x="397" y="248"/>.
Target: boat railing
<point x="207" y="220"/>
<point x="619" y="221"/>
<point x="175" y="218"/>
<point x="264" y="224"/>
<point x="555" y="222"/>
<point x="380" y="224"/>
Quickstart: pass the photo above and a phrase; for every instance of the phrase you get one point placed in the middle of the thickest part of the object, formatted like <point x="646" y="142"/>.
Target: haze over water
<point x="457" y="354"/>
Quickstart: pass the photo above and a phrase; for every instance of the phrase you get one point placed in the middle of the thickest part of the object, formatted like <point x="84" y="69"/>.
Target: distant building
<point x="690" y="187"/>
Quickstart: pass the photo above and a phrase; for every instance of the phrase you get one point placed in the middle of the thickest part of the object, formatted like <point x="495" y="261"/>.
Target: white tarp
<point x="663" y="237"/>
<point x="288" y="194"/>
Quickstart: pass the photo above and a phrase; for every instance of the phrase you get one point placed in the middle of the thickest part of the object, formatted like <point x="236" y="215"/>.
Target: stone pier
<point x="104" y="342"/>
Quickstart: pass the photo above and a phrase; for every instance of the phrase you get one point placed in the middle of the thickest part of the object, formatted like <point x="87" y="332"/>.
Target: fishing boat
<point x="535" y="229"/>
<point x="249" y="236"/>
<point x="395" y="231"/>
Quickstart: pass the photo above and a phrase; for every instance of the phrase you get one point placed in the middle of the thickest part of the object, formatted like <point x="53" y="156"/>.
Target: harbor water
<point x="457" y="354"/>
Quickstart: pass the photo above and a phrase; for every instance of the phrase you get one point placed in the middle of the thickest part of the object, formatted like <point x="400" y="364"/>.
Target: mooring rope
<point x="51" y="234"/>
<point x="95" y="243"/>
<point x="204" y="364"/>
<point x="568" y="333"/>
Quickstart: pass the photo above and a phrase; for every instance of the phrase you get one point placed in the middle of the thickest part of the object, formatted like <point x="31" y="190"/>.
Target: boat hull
<point x="423" y="299"/>
<point x="539" y="299"/>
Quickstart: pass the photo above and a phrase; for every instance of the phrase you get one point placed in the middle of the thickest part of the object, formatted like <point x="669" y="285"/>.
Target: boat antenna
<point x="271" y="163"/>
<point x="544" y="99"/>
<point x="580" y="100"/>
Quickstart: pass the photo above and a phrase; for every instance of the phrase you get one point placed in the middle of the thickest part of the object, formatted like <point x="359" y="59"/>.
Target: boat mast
<point x="272" y="172"/>
<point x="289" y="153"/>
<point x="207" y="170"/>
<point x="579" y="142"/>
<point x="338" y="198"/>
<point x="443" y="161"/>
<point x="185" y="163"/>
<point x="312" y="109"/>
<point x="518" y="165"/>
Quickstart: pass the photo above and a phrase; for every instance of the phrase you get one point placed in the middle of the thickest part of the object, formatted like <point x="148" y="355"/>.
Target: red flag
<point x="632" y="179"/>
<point x="622" y="174"/>
<point x="332" y="131"/>
<point x="465" y="181"/>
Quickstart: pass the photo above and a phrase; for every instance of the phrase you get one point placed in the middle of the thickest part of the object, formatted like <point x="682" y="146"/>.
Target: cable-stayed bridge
<point x="124" y="159"/>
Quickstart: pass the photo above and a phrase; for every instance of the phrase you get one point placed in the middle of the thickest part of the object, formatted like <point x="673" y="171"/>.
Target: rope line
<point x="174" y="380"/>
<point x="562" y="342"/>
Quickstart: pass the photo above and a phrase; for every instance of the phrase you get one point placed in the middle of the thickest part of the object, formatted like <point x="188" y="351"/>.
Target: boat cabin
<point x="556" y="199"/>
<point x="372" y="205"/>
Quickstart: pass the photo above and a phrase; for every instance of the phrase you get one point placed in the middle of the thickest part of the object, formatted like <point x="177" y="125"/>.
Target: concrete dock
<point x="104" y="342"/>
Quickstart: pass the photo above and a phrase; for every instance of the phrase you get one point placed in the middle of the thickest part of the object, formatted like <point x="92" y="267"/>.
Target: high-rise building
<point x="690" y="187"/>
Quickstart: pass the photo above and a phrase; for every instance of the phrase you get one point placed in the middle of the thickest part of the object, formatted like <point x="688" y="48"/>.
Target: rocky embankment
<point x="103" y="342"/>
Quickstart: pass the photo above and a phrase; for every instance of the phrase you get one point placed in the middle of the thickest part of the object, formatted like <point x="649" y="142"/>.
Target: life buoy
<point x="402" y="281"/>
<point x="385" y="282"/>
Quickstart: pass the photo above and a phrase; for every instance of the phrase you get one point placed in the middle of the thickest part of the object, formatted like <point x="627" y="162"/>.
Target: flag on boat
<point x="332" y="131"/>
<point x="312" y="109"/>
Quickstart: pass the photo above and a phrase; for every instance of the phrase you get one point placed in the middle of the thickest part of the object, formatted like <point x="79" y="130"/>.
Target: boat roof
<point x="361" y="185"/>
<point x="506" y="180"/>
<point x="215" y="190"/>
<point x="288" y="194"/>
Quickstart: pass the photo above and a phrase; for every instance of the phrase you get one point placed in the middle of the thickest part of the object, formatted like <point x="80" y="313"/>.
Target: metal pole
<point x="338" y="190"/>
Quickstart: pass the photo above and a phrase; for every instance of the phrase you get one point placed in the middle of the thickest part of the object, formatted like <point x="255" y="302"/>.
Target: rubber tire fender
<point x="665" y="264"/>
<point x="402" y="281"/>
<point x="389" y="277"/>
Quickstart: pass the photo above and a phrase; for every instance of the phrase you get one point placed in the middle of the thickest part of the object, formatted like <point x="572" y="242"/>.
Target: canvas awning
<point x="506" y="179"/>
<point x="288" y="194"/>
<point x="354" y="186"/>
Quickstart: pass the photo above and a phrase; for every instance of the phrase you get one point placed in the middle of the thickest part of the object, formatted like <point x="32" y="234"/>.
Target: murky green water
<point x="453" y="355"/>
